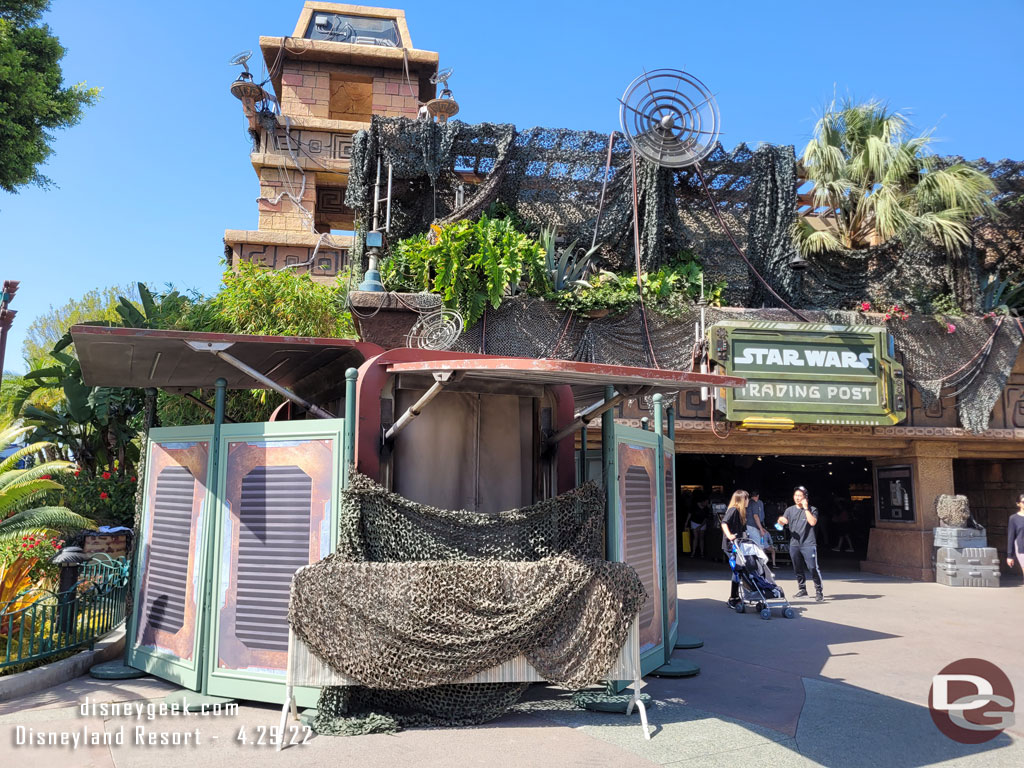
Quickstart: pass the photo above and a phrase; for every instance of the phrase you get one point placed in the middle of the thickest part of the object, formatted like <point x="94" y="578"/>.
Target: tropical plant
<point x="666" y="289"/>
<point x="1001" y="297"/>
<point x="106" y="497"/>
<point x="872" y="181"/>
<point x="17" y="592"/>
<point x="470" y="264"/>
<point x="19" y="488"/>
<point x="565" y="269"/>
<point x="281" y="303"/>
<point x="48" y="328"/>
<point x="96" y="425"/>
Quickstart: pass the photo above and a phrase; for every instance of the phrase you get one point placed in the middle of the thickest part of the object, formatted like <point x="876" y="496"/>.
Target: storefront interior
<point x="835" y="484"/>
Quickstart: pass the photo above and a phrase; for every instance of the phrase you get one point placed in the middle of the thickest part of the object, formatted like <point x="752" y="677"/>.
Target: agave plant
<point x="20" y="487"/>
<point x="564" y="268"/>
<point x="874" y="182"/>
<point x="1001" y="296"/>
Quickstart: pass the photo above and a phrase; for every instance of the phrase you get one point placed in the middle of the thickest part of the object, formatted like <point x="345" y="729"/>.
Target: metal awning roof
<point x="586" y="379"/>
<point x="181" y="361"/>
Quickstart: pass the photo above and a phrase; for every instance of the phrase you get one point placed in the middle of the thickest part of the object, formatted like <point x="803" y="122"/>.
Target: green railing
<point x="39" y="623"/>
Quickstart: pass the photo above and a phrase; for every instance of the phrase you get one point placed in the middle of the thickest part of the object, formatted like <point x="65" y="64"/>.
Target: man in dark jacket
<point x="803" y="549"/>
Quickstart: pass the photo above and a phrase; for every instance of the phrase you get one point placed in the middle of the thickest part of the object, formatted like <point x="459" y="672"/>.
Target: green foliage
<point x="666" y="289"/>
<point x="280" y="303"/>
<point x="97" y="425"/>
<point x="876" y="180"/>
<point x="1002" y="297"/>
<point x="38" y="547"/>
<point x="470" y="265"/>
<point x="33" y="99"/>
<point x="946" y="304"/>
<point x="108" y="498"/>
<point x="43" y="333"/>
<point x="21" y="489"/>
<point x="565" y="269"/>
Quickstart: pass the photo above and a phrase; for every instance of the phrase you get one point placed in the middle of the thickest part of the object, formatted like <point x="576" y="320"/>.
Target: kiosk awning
<point x="182" y="361"/>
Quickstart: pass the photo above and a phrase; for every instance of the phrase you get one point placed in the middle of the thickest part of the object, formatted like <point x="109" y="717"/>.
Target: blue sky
<point x="156" y="171"/>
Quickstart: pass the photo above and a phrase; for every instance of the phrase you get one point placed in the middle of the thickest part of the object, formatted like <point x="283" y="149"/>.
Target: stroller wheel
<point x="761" y="606"/>
<point x="766" y="613"/>
<point x="788" y="613"/>
<point x="740" y="608"/>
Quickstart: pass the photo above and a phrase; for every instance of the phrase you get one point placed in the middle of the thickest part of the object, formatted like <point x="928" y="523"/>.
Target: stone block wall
<point x="283" y="215"/>
<point x="307" y="88"/>
<point x="991" y="487"/>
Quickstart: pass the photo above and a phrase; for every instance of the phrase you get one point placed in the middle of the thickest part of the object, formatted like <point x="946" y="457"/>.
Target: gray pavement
<point x="844" y="685"/>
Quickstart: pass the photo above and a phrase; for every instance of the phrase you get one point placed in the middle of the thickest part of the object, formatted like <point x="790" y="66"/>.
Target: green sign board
<point x="808" y="373"/>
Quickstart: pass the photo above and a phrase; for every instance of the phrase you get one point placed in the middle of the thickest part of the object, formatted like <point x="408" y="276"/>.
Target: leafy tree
<point x="43" y="333"/>
<point x="33" y="98"/>
<point x="872" y="179"/>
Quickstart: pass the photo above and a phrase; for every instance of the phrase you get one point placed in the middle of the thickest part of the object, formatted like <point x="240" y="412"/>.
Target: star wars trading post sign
<point x="806" y="373"/>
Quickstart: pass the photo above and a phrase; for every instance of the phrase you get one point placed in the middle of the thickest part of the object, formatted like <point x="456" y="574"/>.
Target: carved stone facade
<point x="327" y="91"/>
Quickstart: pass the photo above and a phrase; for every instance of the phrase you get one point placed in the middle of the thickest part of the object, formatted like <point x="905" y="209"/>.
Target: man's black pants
<point x="805" y="557"/>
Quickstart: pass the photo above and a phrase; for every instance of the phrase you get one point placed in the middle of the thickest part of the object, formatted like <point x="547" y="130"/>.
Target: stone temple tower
<point x="341" y="65"/>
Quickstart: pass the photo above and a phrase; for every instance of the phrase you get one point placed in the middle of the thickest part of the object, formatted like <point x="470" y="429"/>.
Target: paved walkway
<point x="843" y="685"/>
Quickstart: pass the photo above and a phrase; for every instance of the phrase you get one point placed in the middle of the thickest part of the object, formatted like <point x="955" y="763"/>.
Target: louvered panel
<point x="167" y="568"/>
<point x="273" y="543"/>
<point x="670" y="536"/>
<point x="640" y="549"/>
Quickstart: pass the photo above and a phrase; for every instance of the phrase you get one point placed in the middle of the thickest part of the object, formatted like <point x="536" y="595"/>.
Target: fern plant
<point x="470" y="264"/>
<point x="20" y="488"/>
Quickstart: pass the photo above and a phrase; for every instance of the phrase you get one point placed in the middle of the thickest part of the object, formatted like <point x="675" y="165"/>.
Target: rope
<point x="636" y="252"/>
<point x="728" y="232"/>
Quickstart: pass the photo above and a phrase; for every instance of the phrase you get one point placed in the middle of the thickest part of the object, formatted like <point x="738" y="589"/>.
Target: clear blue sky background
<point x="156" y="171"/>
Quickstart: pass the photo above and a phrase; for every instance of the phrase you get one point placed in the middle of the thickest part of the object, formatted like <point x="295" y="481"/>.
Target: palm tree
<point x="873" y="182"/>
<point x="19" y="487"/>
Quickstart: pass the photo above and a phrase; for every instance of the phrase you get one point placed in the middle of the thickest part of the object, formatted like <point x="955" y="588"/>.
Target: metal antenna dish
<point x="670" y="118"/>
<point x="442" y="75"/>
<point x="240" y="59"/>
<point x="439" y="329"/>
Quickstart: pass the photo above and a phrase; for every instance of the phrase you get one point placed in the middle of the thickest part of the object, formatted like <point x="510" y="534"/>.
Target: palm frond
<point x="49" y="518"/>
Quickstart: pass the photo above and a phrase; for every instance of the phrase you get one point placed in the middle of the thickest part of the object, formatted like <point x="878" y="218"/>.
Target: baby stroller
<point x="749" y="567"/>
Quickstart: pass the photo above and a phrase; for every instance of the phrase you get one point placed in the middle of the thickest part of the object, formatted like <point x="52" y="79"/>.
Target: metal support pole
<point x="213" y="481"/>
<point x="351" y="377"/>
<point x="670" y="416"/>
<point x="583" y="456"/>
<point x="414" y="410"/>
<point x="316" y="410"/>
<point x="585" y="417"/>
<point x="659" y="469"/>
<point x="608" y="471"/>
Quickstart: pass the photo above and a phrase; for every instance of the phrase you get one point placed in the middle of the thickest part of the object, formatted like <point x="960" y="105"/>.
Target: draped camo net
<point x="554" y="176"/>
<point x="418" y="598"/>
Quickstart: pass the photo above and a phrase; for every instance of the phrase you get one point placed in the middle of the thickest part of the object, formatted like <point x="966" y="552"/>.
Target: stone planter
<point x="386" y="318"/>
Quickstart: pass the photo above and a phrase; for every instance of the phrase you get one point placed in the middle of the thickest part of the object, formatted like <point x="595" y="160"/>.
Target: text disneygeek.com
<point x="150" y="735"/>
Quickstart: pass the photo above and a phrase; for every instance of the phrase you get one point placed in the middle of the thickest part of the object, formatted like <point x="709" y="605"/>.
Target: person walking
<point x="1015" y="535"/>
<point x="803" y="550"/>
<point x="697" y="521"/>
<point x="756" y="524"/>
<point x="734" y="524"/>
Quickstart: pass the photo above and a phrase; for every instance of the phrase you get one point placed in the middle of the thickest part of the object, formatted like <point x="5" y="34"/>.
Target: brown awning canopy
<point x="182" y="361"/>
<point x="586" y="379"/>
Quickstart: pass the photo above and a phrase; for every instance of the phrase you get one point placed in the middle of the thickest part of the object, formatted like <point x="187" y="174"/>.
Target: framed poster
<point x="895" y="493"/>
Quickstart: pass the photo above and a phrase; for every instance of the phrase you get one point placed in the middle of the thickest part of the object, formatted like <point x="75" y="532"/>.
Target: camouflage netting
<point x="553" y="176"/>
<point x="933" y="357"/>
<point x="523" y="582"/>
<point x="549" y="176"/>
<point x="952" y="511"/>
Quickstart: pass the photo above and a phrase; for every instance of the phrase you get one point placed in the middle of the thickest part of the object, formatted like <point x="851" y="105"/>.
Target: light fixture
<point x="244" y="89"/>
<point x="759" y="458"/>
<point x="444" y="106"/>
<point x="798" y="263"/>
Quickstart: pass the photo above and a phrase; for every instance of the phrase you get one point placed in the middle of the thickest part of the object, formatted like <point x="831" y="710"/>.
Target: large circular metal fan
<point x="670" y="118"/>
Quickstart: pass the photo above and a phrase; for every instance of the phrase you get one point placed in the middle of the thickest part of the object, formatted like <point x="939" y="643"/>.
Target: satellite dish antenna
<point x="240" y="59"/>
<point x="670" y="118"/>
<point x="445" y="105"/>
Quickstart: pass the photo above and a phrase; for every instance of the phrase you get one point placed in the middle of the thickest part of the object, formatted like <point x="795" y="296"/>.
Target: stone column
<point x="905" y="549"/>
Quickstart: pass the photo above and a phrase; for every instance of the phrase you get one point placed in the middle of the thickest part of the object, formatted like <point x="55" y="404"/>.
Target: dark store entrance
<point x="839" y="486"/>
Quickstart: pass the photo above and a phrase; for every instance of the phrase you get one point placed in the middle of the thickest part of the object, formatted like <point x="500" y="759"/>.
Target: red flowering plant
<point x="107" y="497"/>
<point x="35" y="549"/>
